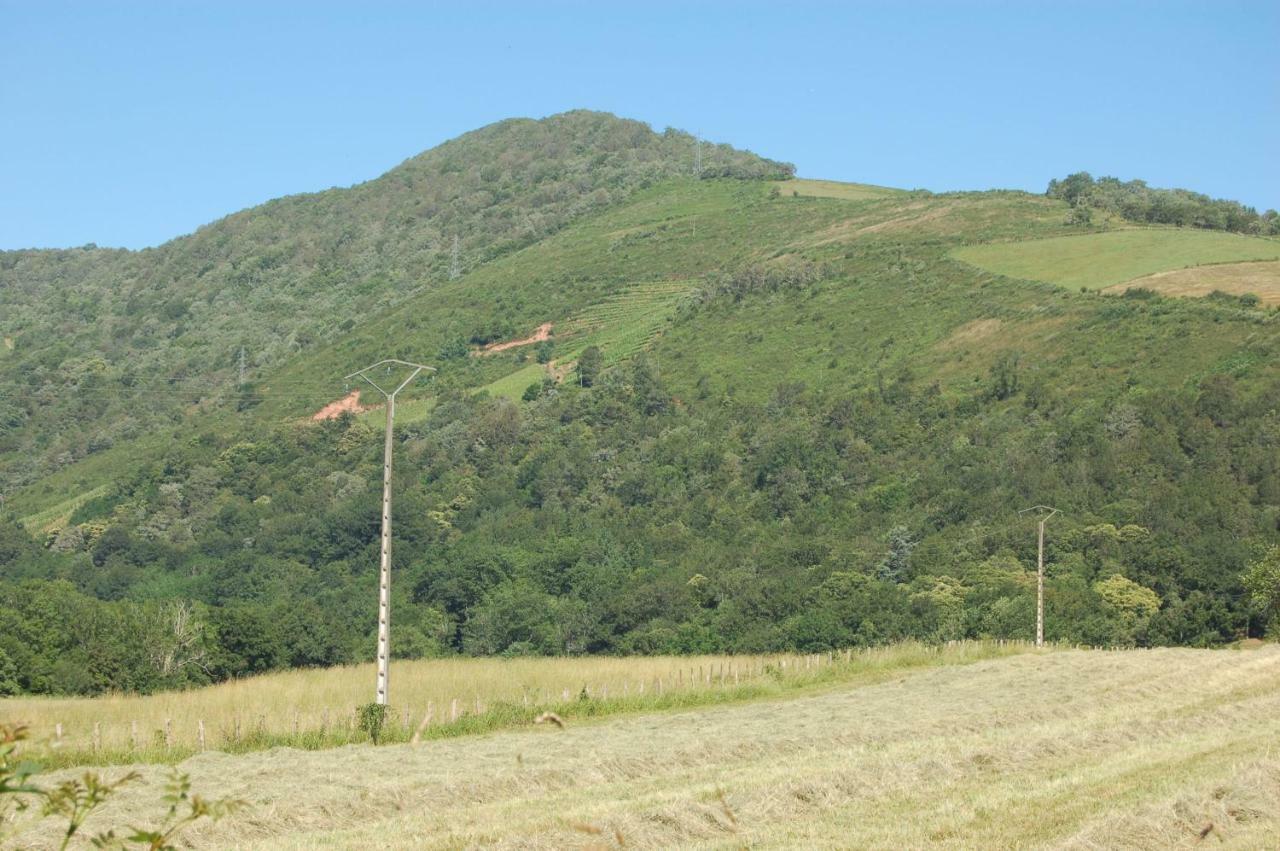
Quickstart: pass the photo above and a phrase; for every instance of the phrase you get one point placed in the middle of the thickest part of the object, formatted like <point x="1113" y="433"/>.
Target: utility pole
<point x="1040" y="569"/>
<point x="384" y="573"/>
<point x="455" y="269"/>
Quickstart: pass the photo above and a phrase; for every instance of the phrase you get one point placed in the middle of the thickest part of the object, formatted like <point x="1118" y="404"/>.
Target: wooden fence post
<point x="57" y="732"/>
<point x="426" y="722"/>
<point x="200" y="733"/>
<point x="453" y="711"/>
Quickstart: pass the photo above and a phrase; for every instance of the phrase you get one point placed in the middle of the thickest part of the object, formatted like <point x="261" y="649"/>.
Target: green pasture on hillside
<point x="1098" y="260"/>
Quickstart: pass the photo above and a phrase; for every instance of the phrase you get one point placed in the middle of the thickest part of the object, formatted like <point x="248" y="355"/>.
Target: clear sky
<point x="129" y="123"/>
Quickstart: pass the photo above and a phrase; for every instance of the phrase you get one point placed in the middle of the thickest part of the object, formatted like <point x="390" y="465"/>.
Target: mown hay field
<point x="1098" y="260"/>
<point x="317" y="708"/>
<point x="1168" y="748"/>
<point x="1260" y="279"/>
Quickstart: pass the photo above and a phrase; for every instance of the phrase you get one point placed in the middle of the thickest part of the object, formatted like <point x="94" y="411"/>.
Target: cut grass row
<point x="314" y="709"/>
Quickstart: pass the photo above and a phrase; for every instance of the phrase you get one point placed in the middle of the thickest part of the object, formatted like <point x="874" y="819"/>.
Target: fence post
<point x="57" y="732"/>
<point x="200" y="733"/>
<point x="453" y="711"/>
<point x="168" y="733"/>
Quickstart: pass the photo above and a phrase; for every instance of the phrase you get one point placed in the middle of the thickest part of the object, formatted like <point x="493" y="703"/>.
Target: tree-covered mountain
<point x="767" y="414"/>
<point x="99" y="345"/>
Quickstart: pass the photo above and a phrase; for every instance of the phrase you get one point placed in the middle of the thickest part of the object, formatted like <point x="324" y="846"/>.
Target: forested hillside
<point x="100" y="345"/>
<point x="767" y="415"/>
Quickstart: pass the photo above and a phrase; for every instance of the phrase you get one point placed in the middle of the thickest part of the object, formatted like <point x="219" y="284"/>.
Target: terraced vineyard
<point x="57" y="516"/>
<point x="626" y="323"/>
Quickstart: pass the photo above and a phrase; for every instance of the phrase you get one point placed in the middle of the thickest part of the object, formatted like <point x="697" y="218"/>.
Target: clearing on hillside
<point x="834" y="189"/>
<point x="1098" y="260"/>
<point x="1168" y="748"/>
<point x="620" y="325"/>
<point x="57" y="516"/>
<point x="1261" y="279"/>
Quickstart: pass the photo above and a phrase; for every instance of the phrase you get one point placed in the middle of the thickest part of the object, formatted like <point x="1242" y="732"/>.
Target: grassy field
<point x="1167" y="748"/>
<point x="1262" y="279"/>
<point x="1099" y="260"/>
<point x="513" y="386"/>
<point x="833" y="189"/>
<point x="316" y="708"/>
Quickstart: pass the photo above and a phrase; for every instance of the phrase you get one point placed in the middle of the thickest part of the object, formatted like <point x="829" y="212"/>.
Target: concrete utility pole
<point x="1040" y="569"/>
<point x="384" y="575"/>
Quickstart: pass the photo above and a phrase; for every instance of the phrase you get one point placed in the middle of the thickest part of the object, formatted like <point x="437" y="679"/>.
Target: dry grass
<point x="1261" y="279"/>
<point x="1076" y="749"/>
<point x="316" y="708"/>
<point x="834" y="189"/>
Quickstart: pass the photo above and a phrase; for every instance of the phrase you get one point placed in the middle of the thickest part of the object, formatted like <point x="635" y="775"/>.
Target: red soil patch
<point x="543" y="333"/>
<point x="333" y="410"/>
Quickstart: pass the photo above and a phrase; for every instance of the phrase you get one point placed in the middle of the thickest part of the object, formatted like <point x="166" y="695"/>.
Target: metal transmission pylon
<point x="1040" y="569"/>
<point x="384" y="573"/>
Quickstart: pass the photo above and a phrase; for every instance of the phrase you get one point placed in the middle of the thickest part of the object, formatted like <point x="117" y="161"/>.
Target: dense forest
<point x="825" y="441"/>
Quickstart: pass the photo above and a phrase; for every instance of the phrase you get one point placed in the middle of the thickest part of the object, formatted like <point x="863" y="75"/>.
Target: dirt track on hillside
<point x="543" y="333"/>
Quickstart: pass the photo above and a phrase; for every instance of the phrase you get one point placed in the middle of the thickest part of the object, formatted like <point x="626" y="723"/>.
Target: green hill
<point x="104" y="344"/>
<point x="814" y="417"/>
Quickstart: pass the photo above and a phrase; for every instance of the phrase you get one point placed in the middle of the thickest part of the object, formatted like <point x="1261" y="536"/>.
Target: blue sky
<point x="131" y="123"/>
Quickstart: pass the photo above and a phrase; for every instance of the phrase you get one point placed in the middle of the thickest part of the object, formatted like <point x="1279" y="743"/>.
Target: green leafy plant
<point x="372" y="717"/>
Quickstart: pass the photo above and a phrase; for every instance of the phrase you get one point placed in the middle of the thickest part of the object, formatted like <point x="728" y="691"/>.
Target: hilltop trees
<point x="1137" y="202"/>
